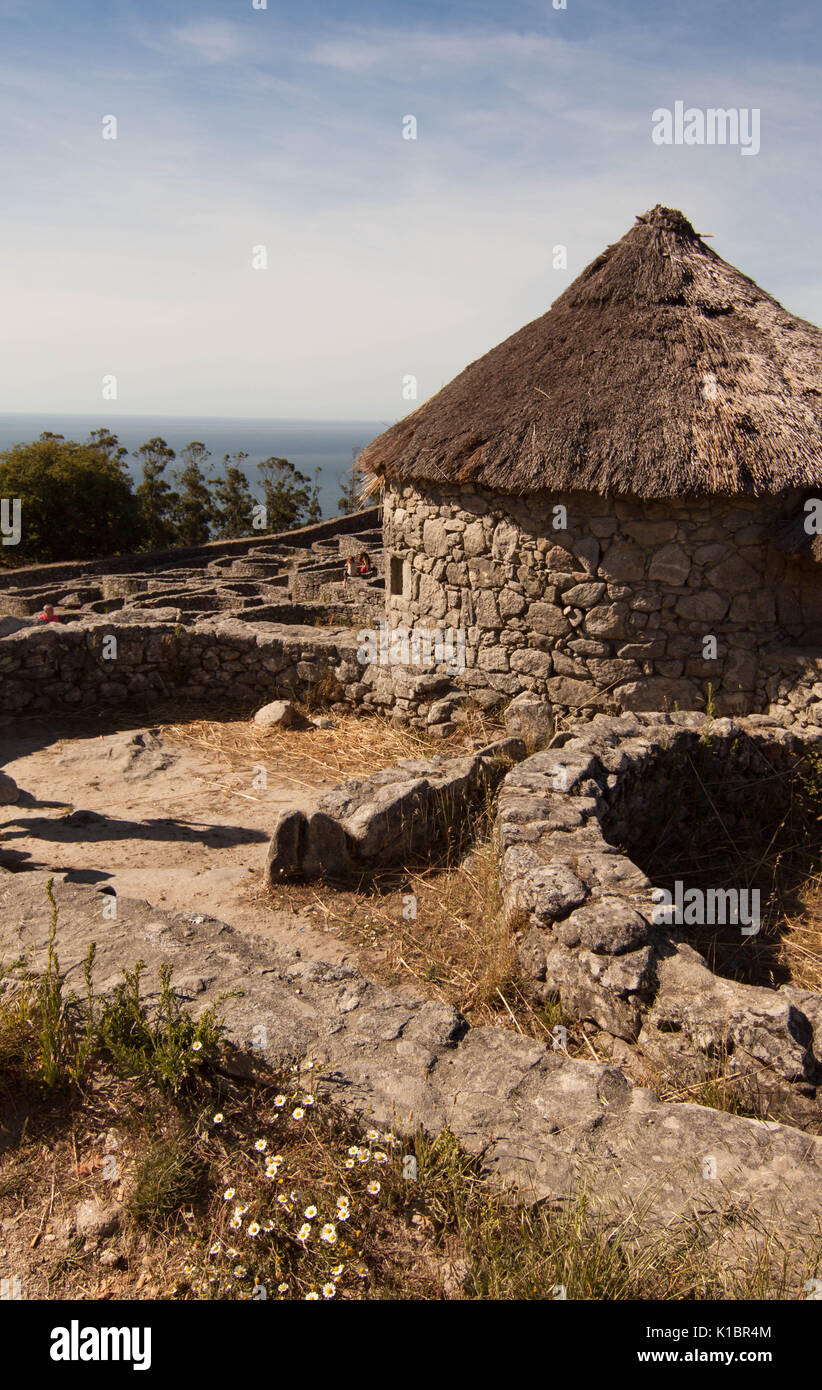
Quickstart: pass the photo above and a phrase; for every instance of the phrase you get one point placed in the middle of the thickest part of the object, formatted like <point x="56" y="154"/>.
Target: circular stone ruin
<point x="595" y="831"/>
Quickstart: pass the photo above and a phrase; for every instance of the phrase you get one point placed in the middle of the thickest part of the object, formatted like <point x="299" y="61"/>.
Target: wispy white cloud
<point x="388" y="50"/>
<point x="213" y="40"/>
<point x="386" y="256"/>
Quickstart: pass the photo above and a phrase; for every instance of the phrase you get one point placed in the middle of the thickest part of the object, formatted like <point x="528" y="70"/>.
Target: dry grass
<point x="357" y="745"/>
<point x="457" y="947"/>
<point x="720" y="1089"/>
<point x="801" y="939"/>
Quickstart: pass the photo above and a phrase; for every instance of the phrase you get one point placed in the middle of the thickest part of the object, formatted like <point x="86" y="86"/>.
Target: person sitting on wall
<point x="350" y="569"/>
<point x="364" y="565"/>
<point x="48" y="615"/>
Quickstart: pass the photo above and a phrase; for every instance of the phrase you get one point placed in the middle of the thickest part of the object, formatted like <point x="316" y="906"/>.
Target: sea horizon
<point x="326" y="444"/>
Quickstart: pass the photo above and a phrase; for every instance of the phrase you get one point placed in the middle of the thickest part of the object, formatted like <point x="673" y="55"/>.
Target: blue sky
<point x="240" y="127"/>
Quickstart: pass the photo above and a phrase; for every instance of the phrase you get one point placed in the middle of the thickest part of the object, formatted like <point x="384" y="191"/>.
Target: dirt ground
<point x="156" y="818"/>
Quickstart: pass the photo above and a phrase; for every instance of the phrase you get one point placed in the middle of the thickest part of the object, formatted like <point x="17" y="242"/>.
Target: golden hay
<point x="801" y="943"/>
<point x="356" y="745"/>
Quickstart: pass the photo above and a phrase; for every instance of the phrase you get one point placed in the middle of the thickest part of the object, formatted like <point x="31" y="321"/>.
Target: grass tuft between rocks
<point x="138" y="1160"/>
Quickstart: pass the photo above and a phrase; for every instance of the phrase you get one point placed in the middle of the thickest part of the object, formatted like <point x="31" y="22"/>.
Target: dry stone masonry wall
<point x="588" y="916"/>
<point x="251" y="619"/>
<point x="75" y="666"/>
<point x="293" y="576"/>
<point x="607" y="604"/>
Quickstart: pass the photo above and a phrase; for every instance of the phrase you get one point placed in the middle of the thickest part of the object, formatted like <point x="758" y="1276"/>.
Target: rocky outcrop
<point x="538" y="1119"/>
<point x="766" y="1042"/>
<point x="388" y="818"/>
<point x="9" y="790"/>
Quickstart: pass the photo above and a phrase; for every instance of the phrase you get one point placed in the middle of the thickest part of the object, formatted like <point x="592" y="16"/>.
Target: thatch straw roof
<point x="661" y="371"/>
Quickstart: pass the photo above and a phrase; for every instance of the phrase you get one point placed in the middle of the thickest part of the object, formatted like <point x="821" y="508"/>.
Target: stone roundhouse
<point x="610" y="505"/>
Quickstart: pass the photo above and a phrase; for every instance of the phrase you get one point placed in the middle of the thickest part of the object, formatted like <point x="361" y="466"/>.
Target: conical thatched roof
<point x="661" y="371"/>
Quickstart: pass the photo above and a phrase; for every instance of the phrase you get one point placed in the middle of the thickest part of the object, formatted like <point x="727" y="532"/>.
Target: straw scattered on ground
<point x="801" y="943"/>
<point x="354" y="747"/>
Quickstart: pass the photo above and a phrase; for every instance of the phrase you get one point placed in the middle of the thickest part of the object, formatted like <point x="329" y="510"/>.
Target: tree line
<point x="79" y="500"/>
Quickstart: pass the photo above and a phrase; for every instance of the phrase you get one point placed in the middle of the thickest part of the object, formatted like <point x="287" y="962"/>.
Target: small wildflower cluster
<point x="290" y="1243"/>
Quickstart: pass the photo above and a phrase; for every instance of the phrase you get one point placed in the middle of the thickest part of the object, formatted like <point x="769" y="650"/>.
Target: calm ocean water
<point x="308" y="444"/>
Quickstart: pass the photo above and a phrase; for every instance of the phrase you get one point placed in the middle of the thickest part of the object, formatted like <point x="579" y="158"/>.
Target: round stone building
<point x="610" y="506"/>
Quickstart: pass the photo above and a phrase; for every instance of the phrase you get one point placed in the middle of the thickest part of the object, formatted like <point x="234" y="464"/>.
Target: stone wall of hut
<point x="604" y="604"/>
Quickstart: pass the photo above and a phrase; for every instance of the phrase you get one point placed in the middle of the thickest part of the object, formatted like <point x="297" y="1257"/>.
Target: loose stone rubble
<point x="9" y="790"/>
<point x="282" y="714"/>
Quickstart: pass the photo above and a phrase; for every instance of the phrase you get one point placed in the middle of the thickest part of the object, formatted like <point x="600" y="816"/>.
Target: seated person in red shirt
<point x="48" y="615"/>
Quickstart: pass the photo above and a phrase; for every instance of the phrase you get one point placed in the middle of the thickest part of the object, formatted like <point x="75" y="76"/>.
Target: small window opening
<point x="396" y="576"/>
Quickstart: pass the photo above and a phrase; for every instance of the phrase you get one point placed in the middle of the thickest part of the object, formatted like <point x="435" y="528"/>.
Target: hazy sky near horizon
<point x="283" y="127"/>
